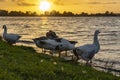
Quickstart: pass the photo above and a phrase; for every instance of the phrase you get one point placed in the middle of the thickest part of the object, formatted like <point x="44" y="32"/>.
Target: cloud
<point x="17" y="0"/>
<point x="103" y="2"/>
<point x="65" y="3"/>
<point x="25" y="4"/>
<point x="73" y="2"/>
<point x="2" y="0"/>
<point x="94" y="3"/>
<point x="112" y="3"/>
<point x="58" y="2"/>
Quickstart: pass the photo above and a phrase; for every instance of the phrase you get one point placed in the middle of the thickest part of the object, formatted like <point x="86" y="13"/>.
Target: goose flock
<point x="55" y="44"/>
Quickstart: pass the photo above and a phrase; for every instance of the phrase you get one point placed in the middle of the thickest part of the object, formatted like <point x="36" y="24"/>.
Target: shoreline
<point x="25" y="63"/>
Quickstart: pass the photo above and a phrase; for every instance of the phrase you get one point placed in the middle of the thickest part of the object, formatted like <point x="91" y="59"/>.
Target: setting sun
<point x="44" y="5"/>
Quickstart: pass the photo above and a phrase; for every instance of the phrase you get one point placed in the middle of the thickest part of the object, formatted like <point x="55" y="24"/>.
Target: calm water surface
<point x="80" y="29"/>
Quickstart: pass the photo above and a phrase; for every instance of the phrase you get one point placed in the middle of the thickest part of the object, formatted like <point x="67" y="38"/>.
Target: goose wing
<point x="88" y="48"/>
<point x="50" y="42"/>
<point x="12" y="37"/>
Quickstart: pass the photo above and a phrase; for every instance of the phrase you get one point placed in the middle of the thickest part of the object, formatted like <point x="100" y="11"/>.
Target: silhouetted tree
<point x="3" y="13"/>
<point x="28" y="13"/>
<point x="67" y="13"/>
<point x="33" y="14"/>
<point x="16" y="13"/>
<point x="54" y="13"/>
<point x="107" y="13"/>
<point x="46" y="13"/>
<point x="84" y="14"/>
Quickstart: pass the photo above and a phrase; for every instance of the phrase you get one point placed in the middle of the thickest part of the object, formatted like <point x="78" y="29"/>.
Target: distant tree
<point x="113" y="14"/>
<point x="55" y="13"/>
<point x="16" y="13"/>
<point x="3" y="12"/>
<point x="46" y="13"/>
<point x="67" y="13"/>
<point x="28" y="13"/>
<point x="83" y="14"/>
<point x="33" y="14"/>
<point x="107" y="12"/>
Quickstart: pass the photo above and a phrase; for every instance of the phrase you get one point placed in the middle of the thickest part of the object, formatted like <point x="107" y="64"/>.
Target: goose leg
<point x="42" y="50"/>
<point x="65" y="53"/>
<point x="91" y="61"/>
<point x="87" y="62"/>
<point x="59" y="54"/>
<point x="51" y="52"/>
<point x="76" y="54"/>
<point x="77" y="57"/>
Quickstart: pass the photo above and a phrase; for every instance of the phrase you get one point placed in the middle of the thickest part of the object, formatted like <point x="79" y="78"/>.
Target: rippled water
<point x="80" y="29"/>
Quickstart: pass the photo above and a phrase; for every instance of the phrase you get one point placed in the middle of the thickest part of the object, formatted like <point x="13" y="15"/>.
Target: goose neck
<point x="96" y="39"/>
<point x="5" y="30"/>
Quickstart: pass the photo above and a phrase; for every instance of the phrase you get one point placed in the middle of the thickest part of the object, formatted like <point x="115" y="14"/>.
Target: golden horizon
<point x="94" y="6"/>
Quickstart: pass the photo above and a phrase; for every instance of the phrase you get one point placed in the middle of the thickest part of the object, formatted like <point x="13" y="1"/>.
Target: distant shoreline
<point x="59" y="16"/>
<point x="55" y="13"/>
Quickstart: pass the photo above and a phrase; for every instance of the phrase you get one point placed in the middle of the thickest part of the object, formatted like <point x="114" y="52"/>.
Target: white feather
<point x="66" y="45"/>
<point x="89" y="50"/>
<point x="49" y="44"/>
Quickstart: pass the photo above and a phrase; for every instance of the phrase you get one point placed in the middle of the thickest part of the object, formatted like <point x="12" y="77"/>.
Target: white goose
<point x="10" y="38"/>
<point x="46" y="43"/>
<point x="88" y="51"/>
<point x="40" y="44"/>
<point x="66" y="45"/>
<point x="57" y="44"/>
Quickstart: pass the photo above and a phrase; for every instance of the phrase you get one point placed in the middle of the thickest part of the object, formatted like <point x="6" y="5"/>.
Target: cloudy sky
<point x="76" y="6"/>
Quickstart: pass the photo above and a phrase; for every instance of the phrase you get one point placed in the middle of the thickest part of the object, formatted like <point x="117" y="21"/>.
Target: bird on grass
<point x="10" y="38"/>
<point x="88" y="51"/>
<point x="65" y="45"/>
<point x="45" y="43"/>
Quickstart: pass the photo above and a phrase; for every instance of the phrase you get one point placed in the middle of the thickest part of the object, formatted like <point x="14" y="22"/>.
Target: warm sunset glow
<point x="75" y="6"/>
<point x="44" y="5"/>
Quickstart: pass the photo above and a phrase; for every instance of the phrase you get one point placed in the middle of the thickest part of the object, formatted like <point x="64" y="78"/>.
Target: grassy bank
<point x="23" y="63"/>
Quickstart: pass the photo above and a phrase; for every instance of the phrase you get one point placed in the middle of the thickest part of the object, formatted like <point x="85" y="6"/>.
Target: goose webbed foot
<point x="89" y="63"/>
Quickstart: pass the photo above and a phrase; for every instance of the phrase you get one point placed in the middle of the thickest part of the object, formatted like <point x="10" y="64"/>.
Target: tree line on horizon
<point x="54" y="13"/>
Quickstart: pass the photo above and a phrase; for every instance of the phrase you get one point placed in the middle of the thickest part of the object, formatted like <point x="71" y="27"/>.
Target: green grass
<point x="23" y="63"/>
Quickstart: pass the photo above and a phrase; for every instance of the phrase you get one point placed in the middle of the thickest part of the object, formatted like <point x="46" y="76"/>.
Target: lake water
<point x="80" y="29"/>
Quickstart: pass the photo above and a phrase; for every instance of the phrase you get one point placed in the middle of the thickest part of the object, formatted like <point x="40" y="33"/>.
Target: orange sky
<point x="75" y="6"/>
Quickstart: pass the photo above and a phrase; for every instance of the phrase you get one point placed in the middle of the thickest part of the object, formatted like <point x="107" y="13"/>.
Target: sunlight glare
<point x="44" y="5"/>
